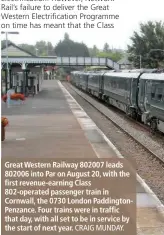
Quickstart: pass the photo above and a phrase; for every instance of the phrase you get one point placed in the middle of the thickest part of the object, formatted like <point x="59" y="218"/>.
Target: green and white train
<point x="140" y="94"/>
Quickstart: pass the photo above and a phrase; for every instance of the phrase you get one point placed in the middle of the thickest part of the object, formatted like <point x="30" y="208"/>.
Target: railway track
<point x="138" y="124"/>
<point x="97" y="105"/>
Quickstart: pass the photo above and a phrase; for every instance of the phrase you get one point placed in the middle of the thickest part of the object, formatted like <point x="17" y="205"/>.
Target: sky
<point x="132" y="13"/>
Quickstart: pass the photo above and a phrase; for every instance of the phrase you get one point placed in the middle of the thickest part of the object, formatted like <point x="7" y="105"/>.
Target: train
<point x="138" y="93"/>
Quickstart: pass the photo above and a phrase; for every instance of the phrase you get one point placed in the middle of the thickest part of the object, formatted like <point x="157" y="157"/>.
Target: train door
<point x="101" y="84"/>
<point x="85" y="81"/>
<point x="134" y="92"/>
<point x="130" y="96"/>
<point x="87" y="76"/>
<point x="128" y="91"/>
<point x="147" y="95"/>
<point x="141" y="95"/>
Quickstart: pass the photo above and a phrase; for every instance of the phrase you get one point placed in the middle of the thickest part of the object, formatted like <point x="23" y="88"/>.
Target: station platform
<point x="46" y="127"/>
<point x="53" y="125"/>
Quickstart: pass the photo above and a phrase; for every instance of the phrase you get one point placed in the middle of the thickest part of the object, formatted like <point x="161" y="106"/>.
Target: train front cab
<point x="151" y="100"/>
<point x="74" y="77"/>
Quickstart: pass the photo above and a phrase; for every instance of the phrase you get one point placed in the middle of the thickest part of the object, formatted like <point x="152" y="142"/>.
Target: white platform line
<point x="69" y="98"/>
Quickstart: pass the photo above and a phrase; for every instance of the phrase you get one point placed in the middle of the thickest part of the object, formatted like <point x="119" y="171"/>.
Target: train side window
<point x="113" y="84"/>
<point x="159" y="94"/>
<point x="152" y="95"/>
<point x="127" y="85"/>
<point x="121" y="84"/>
<point x="153" y="89"/>
<point x="142" y="90"/>
<point x="159" y="97"/>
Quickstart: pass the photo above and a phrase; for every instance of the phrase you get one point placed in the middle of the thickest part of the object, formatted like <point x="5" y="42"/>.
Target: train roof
<point x="139" y="71"/>
<point x="89" y="72"/>
<point x="77" y="71"/>
<point x="111" y="73"/>
<point x="123" y="75"/>
<point x="153" y="76"/>
<point x="98" y="73"/>
<point x="81" y="71"/>
<point x="145" y="74"/>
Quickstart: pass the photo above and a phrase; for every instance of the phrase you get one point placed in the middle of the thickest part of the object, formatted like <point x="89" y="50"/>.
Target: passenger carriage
<point x="120" y="90"/>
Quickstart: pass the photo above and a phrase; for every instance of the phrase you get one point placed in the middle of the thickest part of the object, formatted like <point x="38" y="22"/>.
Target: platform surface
<point x="52" y="124"/>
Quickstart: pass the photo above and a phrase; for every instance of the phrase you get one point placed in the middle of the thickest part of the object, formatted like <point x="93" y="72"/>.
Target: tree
<point x="50" y="49"/>
<point x="41" y="46"/>
<point x="66" y="36"/>
<point x="27" y="47"/>
<point x="67" y="47"/>
<point x="151" y="36"/>
<point x="115" y="56"/>
<point x="93" y="51"/>
<point x="106" y="48"/>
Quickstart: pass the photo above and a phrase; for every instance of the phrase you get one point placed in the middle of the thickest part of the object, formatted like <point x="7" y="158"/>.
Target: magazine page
<point x="82" y="117"/>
